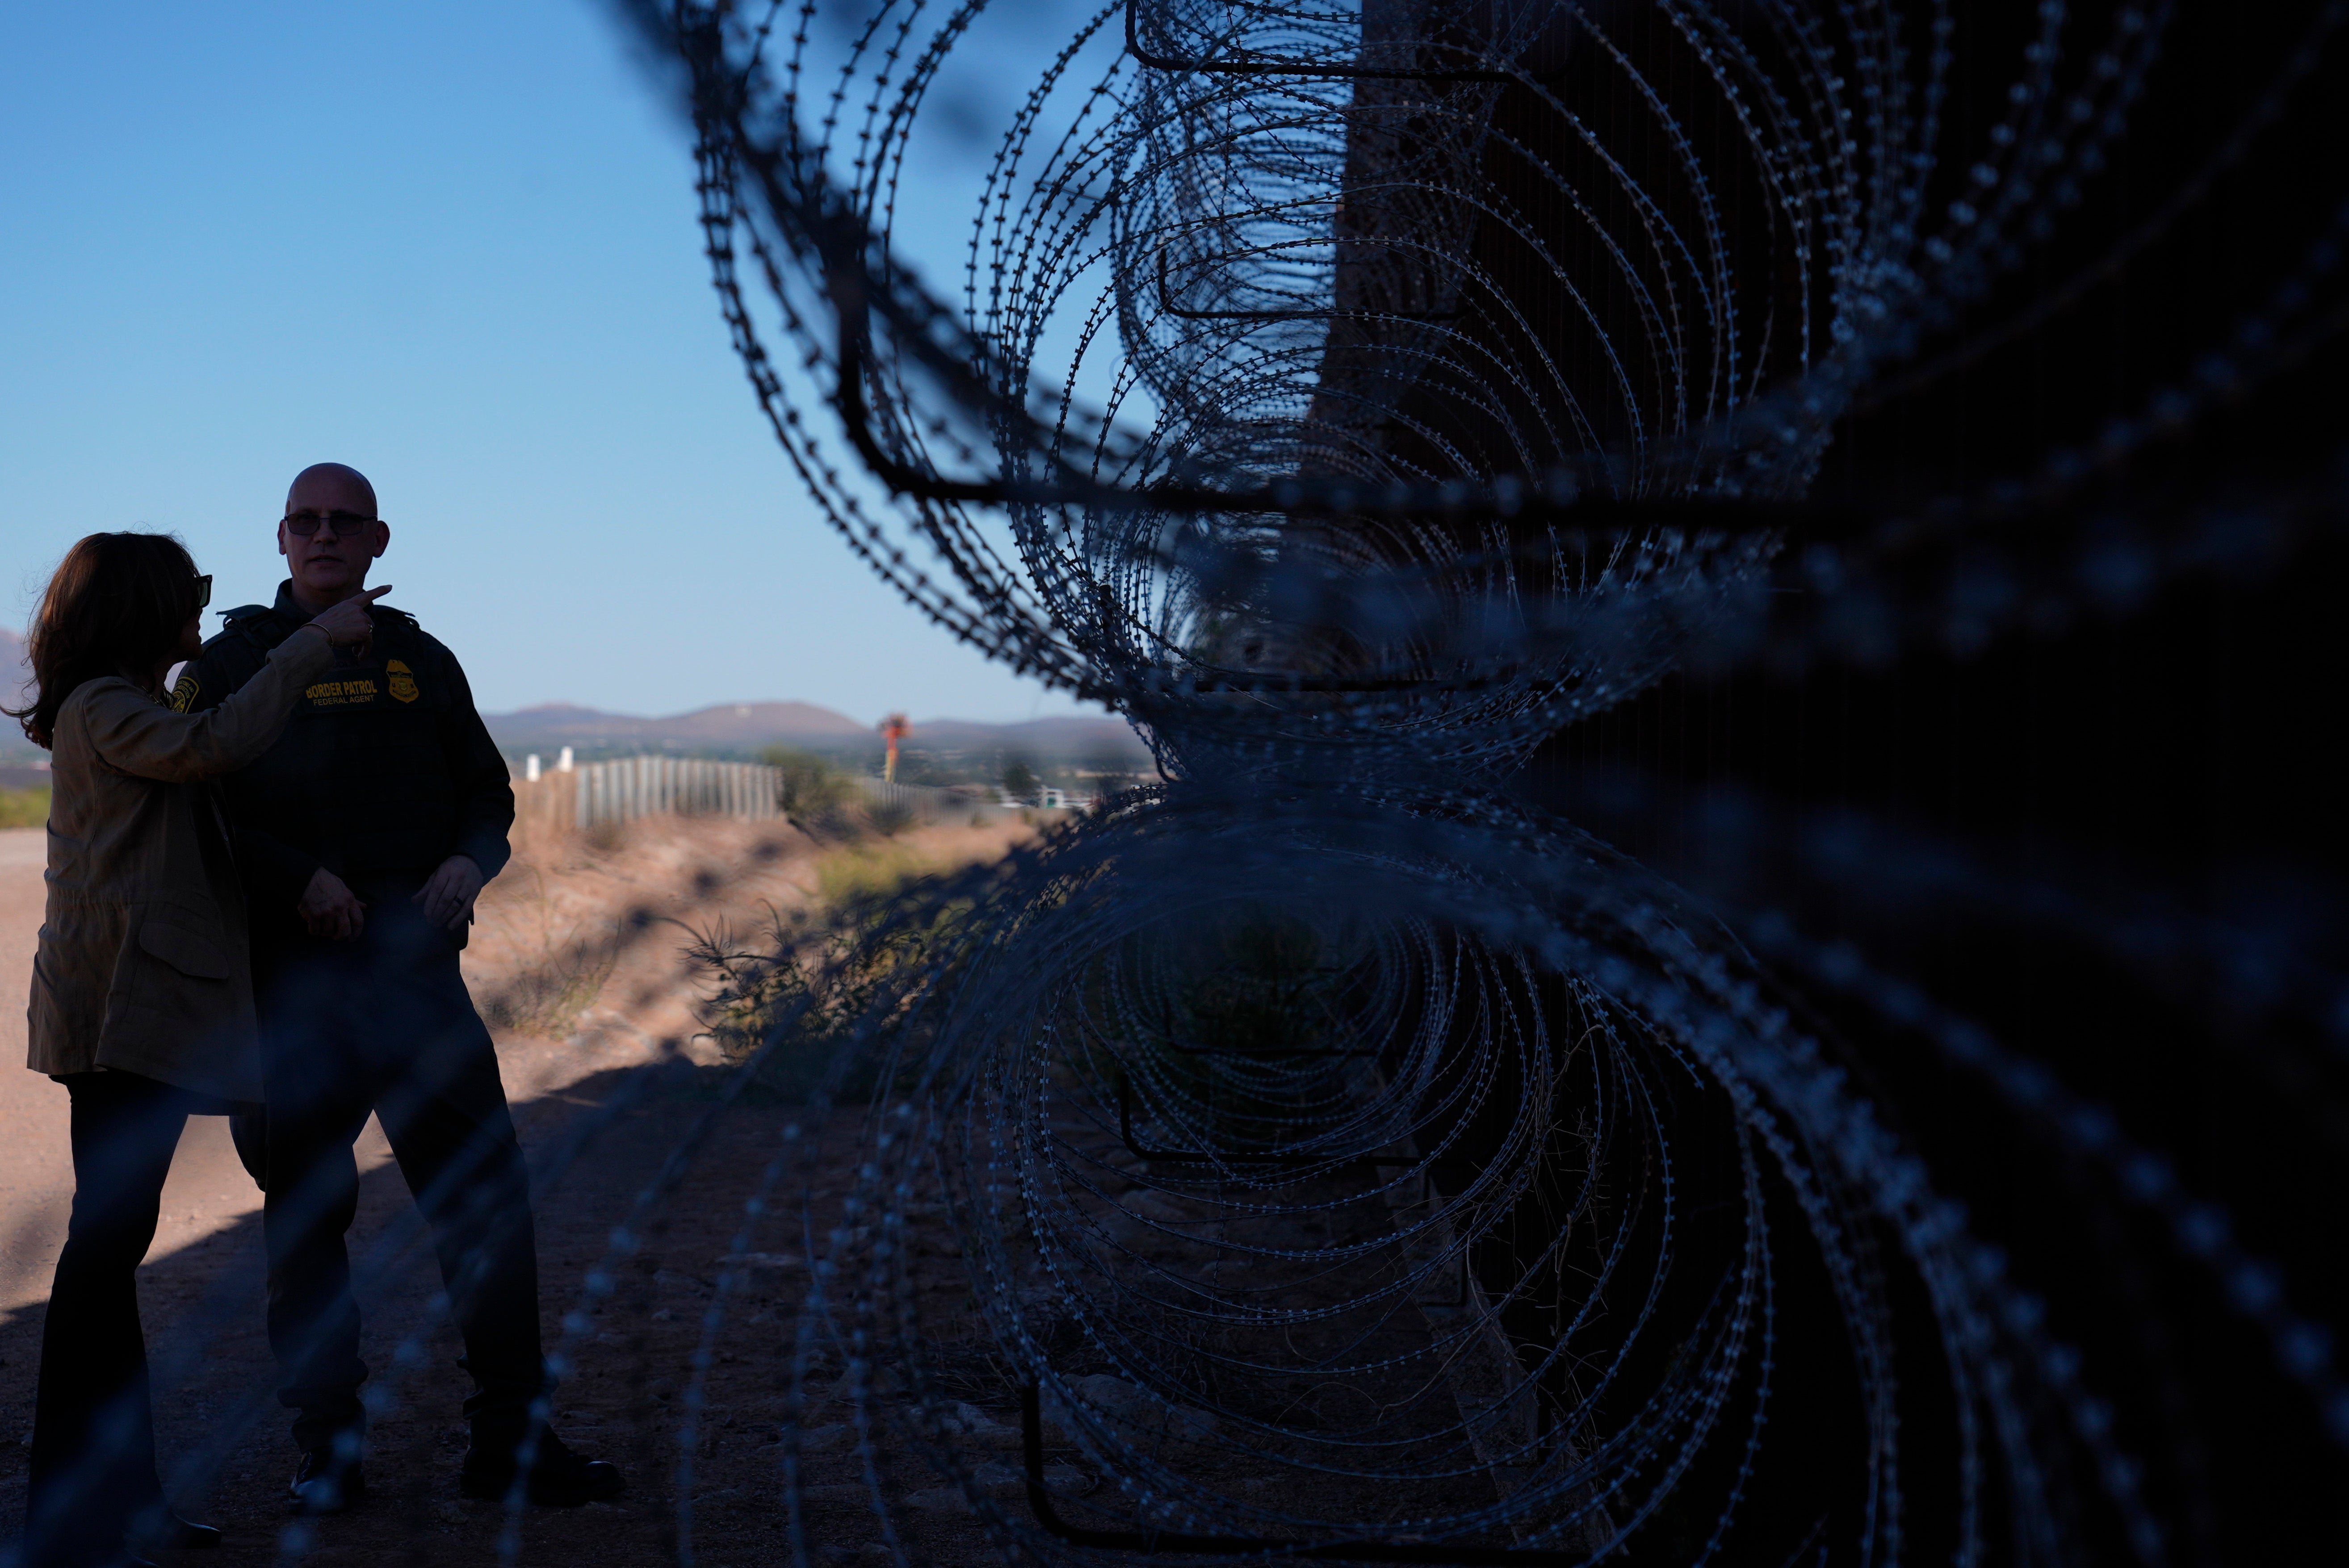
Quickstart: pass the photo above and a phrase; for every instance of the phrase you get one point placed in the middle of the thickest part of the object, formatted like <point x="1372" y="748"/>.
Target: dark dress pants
<point x="93" y="1458"/>
<point x="383" y="1024"/>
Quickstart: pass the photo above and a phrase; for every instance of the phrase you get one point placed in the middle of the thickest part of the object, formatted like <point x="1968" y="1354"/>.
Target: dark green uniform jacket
<point x="385" y="770"/>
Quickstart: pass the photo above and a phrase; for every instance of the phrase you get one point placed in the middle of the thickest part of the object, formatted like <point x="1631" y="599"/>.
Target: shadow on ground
<point x="224" y="1449"/>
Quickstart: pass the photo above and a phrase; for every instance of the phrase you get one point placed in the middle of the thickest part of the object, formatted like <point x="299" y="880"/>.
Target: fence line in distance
<point x="628" y="788"/>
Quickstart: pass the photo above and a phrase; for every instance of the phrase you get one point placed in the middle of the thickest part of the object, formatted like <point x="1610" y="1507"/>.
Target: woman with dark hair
<point x="142" y="1001"/>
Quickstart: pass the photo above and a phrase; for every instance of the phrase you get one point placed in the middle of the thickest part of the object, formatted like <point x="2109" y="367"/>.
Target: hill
<point x="747" y="726"/>
<point x="736" y="728"/>
<point x="728" y="727"/>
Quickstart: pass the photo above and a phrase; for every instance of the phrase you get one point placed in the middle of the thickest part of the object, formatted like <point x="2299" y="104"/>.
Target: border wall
<point x="628" y="788"/>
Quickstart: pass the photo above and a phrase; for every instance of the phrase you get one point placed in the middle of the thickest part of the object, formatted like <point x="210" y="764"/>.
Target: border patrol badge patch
<point x="403" y="684"/>
<point x="183" y="694"/>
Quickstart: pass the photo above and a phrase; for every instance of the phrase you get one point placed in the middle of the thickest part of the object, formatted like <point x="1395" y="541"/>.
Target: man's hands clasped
<point x="448" y="897"/>
<point x="330" y="909"/>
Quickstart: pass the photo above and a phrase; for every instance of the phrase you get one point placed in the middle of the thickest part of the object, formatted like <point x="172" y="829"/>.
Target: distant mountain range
<point x="17" y="754"/>
<point x="14" y="669"/>
<point x="736" y="727"/>
<point x="747" y="727"/>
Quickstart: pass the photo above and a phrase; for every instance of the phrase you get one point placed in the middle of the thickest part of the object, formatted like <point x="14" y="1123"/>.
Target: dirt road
<point x="600" y="1107"/>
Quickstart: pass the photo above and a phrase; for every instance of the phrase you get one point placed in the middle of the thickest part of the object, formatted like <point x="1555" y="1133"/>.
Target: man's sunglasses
<point x="303" y="524"/>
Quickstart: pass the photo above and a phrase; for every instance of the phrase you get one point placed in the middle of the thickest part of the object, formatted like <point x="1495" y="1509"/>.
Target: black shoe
<point x="171" y="1534"/>
<point x="325" y="1484"/>
<point x="558" y="1478"/>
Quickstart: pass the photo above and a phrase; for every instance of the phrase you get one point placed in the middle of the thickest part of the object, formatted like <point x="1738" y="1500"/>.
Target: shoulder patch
<point x="402" y="681"/>
<point x="184" y="692"/>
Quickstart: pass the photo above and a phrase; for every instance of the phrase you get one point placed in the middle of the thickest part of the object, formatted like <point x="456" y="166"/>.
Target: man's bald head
<point x="334" y="503"/>
<point x="330" y="487"/>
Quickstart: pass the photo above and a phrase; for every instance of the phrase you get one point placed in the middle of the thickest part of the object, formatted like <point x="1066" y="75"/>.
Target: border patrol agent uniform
<point x="384" y="771"/>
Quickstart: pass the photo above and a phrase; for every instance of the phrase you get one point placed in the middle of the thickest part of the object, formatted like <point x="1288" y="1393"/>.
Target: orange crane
<point x="894" y="728"/>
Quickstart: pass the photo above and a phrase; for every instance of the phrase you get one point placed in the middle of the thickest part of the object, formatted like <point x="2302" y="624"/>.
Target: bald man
<point x="364" y="835"/>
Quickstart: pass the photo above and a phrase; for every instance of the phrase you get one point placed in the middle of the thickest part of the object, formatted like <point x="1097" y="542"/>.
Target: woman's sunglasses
<point x="204" y="591"/>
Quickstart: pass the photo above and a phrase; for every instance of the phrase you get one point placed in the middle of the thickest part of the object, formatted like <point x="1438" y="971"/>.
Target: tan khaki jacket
<point x="143" y="964"/>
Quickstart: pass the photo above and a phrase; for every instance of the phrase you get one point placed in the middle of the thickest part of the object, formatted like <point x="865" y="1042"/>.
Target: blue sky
<point x="454" y="245"/>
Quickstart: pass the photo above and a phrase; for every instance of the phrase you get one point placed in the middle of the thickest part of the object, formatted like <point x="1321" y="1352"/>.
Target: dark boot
<point x="330" y="1480"/>
<point x="557" y="1478"/>
<point x="188" y="1536"/>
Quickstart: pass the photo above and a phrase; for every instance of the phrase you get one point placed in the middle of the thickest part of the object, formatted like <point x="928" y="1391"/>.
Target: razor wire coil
<point x="1347" y="1159"/>
<point x="1353" y="398"/>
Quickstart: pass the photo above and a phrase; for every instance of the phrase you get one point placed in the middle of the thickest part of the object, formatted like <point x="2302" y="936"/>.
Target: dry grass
<point x="797" y="990"/>
<point x="564" y="976"/>
<point x="866" y="869"/>
<point x="574" y="940"/>
<point x="24" y="807"/>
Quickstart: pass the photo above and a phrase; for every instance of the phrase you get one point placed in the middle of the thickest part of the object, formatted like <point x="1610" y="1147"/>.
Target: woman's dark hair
<point x="115" y="606"/>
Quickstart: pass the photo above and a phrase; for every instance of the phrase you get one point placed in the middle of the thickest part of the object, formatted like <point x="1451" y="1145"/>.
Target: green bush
<point x="888" y="819"/>
<point x="813" y="791"/>
<point x="24" y="808"/>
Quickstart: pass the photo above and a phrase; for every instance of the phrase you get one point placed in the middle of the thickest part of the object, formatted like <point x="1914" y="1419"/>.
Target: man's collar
<point x="289" y="606"/>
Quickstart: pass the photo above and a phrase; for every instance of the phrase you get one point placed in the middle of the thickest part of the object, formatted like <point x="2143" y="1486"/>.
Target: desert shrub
<point x="24" y="808"/>
<point x="802" y="993"/>
<point x="887" y="817"/>
<point x="550" y="994"/>
<point x="548" y="998"/>
<point x="813" y="791"/>
<point x="810" y="982"/>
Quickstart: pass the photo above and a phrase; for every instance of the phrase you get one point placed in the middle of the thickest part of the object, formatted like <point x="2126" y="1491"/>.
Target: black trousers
<point x="93" y="1458"/>
<point x="383" y="1024"/>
